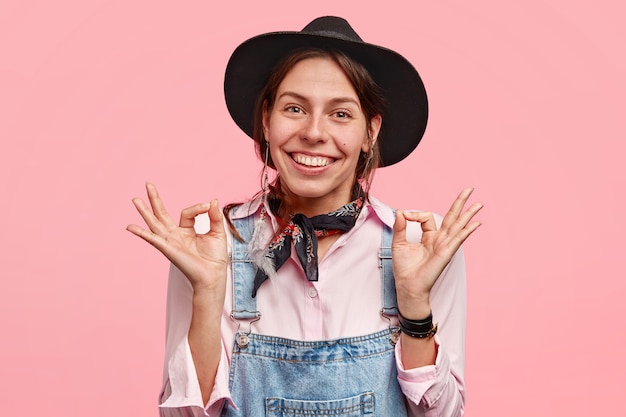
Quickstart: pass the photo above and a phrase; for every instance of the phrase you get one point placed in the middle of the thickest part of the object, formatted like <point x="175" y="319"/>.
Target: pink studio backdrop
<point x="96" y="97"/>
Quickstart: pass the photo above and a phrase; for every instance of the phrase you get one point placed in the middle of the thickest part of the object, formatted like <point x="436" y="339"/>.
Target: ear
<point x="373" y="130"/>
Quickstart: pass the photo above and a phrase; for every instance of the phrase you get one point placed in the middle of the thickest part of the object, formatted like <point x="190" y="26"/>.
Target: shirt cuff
<point x="184" y="388"/>
<point x="424" y="384"/>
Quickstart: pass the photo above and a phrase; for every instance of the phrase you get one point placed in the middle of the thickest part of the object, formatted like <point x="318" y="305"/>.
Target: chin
<point x="319" y="191"/>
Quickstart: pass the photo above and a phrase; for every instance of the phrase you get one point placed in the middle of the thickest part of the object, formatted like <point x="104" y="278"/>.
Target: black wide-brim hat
<point x="406" y="114"/>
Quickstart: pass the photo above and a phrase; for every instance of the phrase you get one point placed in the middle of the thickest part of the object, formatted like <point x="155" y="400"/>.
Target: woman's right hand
<point x="201" y="257"/>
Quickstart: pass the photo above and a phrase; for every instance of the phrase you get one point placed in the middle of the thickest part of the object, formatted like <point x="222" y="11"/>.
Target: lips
<point x="311" y="160"/>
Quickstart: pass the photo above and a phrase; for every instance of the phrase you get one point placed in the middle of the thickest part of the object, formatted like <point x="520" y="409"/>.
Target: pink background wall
<point x="97" y="97"/>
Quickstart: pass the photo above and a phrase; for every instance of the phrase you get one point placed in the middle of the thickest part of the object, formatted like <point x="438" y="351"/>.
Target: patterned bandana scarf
<point x="303" y="232"/>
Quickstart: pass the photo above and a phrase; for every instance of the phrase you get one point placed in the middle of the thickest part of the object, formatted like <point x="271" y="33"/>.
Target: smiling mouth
<point x="311" y="161"/>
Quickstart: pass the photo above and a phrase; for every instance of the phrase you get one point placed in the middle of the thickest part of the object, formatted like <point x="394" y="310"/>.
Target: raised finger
<point x="153" y="239"/>
<point x="157" y="205"/>
<point x="464" y="219"/>
<point x="457" y="206"/>
<point x="148" y="216"/>
<point x="458" y="238"/>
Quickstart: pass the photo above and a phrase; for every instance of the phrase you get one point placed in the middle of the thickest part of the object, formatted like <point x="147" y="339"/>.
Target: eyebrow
<point x="336" y="100"/>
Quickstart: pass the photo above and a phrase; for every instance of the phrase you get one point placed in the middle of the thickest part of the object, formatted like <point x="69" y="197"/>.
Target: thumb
<point x="216" y="217"/>
<point x="399" y="228"/>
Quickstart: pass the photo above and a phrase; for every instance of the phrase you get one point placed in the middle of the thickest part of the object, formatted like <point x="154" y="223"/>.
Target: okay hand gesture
<point x="417" y="266"/>
<point x="201" y="257"/>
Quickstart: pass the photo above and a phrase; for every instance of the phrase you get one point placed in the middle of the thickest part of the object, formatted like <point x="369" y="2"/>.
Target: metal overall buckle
<point x="242" y="337"/>
<point x="394" y="330"/>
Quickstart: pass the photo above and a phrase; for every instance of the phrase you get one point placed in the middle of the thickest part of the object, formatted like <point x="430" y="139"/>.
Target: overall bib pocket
<point x="357" y="406"/>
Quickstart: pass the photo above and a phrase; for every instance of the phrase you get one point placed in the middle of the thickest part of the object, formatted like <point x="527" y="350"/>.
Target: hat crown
<point x="332" y="26"/>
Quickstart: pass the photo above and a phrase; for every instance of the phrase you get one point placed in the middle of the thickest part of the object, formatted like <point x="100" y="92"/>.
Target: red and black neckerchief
<point x="303" y="233"/>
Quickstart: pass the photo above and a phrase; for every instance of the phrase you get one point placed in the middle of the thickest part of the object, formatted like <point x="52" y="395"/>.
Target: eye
<point x="293" y="109"/>
<point x="341" y="114"/>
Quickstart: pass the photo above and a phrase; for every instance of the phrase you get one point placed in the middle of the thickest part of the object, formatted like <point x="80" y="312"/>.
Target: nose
<point x="314" y="130"/>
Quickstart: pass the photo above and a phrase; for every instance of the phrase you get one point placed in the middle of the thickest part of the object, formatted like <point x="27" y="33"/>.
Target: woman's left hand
<point x="417" y="266"/>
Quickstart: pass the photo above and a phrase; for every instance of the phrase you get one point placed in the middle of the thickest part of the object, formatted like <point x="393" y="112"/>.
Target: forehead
<point x="317" y="77"/>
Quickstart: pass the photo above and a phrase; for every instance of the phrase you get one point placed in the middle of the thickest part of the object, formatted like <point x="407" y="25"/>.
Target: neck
<point x="311" y="206"/>
<point x="291" y="203"/>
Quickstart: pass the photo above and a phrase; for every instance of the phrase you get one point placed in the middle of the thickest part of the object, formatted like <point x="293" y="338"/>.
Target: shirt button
<point x="312" y="292"/>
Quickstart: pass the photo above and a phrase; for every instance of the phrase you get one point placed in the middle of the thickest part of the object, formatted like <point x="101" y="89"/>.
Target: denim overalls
<point x="278" y="377"/>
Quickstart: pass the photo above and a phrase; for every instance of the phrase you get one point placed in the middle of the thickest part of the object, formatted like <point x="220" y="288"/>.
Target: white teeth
<point x="314" y="161"/>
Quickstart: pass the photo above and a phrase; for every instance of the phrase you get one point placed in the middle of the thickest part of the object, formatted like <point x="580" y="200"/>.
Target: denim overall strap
<point x="244" y="306"/>
<point x="389" y="299"/>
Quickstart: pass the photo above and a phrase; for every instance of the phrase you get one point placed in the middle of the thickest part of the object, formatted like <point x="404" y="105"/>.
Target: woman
<point x="344" y="327"/>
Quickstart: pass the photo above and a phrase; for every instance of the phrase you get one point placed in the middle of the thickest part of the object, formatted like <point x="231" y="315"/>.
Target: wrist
<point x="414" y="308"/>
<point x="413" y="300"/>
<point x="209" y="296"/>
<point x="209" y="282"/>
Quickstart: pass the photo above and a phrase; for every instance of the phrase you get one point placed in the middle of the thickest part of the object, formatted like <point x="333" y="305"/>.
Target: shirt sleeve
<point x="439" y="389"/>
<point x="180" y="393"/>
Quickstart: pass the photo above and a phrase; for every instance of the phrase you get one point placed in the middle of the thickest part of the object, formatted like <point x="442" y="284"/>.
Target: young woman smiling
<point x="364" y="313"/>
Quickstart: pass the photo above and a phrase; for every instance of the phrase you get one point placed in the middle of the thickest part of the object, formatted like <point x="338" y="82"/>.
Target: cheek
<point x="276" y="155"/>
<point x="279" y="132"/>
<point x="352" y="147"/>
